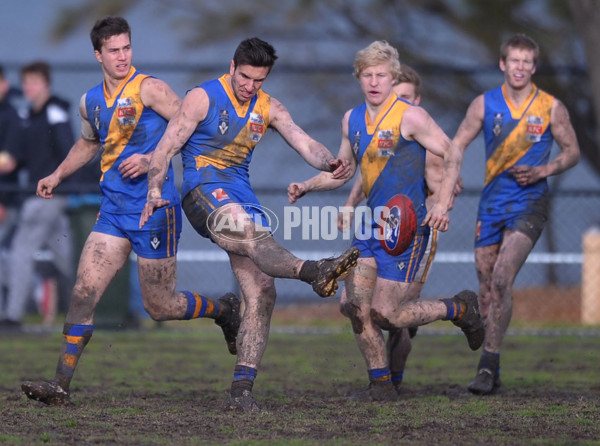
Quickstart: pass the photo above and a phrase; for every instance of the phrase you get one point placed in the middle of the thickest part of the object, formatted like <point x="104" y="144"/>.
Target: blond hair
<point x="377" y="53"/>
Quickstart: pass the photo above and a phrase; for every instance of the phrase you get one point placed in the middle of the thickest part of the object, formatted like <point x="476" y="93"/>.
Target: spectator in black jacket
<point x="9" y="146"/>
<point x="47" y="138"/>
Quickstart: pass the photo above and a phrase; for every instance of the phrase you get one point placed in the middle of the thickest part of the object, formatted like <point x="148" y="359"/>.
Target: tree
<point x="438" y="38"/>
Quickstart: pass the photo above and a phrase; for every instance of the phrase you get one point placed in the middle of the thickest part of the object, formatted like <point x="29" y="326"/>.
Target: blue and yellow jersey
<point x="125" y="127"/>
<point x="389" y="164"/>
<point x="513" y="137"/>
<point x="221" y="147"/>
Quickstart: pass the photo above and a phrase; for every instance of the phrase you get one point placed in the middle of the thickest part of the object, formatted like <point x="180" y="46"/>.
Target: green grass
<point x="167" y="386"/>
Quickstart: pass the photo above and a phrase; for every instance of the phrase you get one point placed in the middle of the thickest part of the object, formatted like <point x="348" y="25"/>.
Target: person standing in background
<point x="9" y="146"/>
<point x="46" y="139"/>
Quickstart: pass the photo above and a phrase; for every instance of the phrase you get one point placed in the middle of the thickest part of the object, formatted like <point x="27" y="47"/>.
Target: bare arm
<point x="81" y="153"/>
<point x="471" y="125"/>
<point x="565" y="137"/>
<point x="193" y="109"/>
<point x="312" y="151"/>
<point x="158" y="96"/>
<point x="417" y="124"/>
<point x="324" y="180"/>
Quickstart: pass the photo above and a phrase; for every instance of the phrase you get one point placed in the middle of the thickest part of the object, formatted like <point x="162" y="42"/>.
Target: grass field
<point x="167" y="385"/>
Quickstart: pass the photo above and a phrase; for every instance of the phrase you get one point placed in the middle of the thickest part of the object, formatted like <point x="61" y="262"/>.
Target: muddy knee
<point x="352" y="312"/>
<point x="380" y="320"/>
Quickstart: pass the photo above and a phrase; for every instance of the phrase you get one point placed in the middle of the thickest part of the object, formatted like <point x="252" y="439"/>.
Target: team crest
<point x="223" y="122"/>
<point x="155" y="240"/>
<point x="356" y="143"/>
<point x="535" y="128"/>
<point x="97" y="117"/>
<point x="220" y="194"/>
<point x="498" y="121"/>
<point x="257" y="127"/>
<point x="125" y="112"/>
<point x="385" y="143"/>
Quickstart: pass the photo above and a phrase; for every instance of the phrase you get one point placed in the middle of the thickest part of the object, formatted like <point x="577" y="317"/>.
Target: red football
<point x="399" y="221"/>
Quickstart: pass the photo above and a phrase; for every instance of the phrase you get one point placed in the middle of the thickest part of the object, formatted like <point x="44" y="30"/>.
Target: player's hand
<point x="46" y="186"/>
<point x="340" y="169"/>
<point x="525" y="174"/>
<point x="134" y="166"/>
<point x="437" y="218"/>
<point x="344" y="220"/>
<point x="295" y="191"/>
<point x="151" y="205"/>
<point x="458" y="187"/>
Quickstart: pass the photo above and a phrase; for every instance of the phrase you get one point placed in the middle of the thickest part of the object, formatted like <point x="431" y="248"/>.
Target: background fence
<point x="317" y="98"/>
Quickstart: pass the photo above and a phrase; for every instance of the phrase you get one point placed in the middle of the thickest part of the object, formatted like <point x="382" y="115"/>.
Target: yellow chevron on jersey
<point x="239" y="148"/>
<point x="386" y="134"/>
<point x="124" y="120"/>
<point x="534" y="118"/>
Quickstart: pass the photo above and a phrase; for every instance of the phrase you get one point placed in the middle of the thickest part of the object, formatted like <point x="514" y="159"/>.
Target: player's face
<point x="376" y="83"/>
<point x="246" y="80"/>
<point x="407" y="91"/>
<point x="518" y="67"/>
<point x="115" y="56"/>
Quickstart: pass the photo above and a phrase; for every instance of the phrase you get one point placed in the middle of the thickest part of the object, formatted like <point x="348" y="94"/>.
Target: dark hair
<point x="106" y="28"/>
<point x="254" y="52"/>
<point x="37" y="67"/>
<point x="520" y="41"/>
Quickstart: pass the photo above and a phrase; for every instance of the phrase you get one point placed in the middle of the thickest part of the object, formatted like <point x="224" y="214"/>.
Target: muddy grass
<point x="167" y="386"/>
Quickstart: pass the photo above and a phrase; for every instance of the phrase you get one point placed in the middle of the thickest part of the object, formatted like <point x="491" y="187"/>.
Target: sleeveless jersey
<point x="221" y="147"/>
<point x="389" y="164"/>
<point x="513" y="137"/>
<point x="125" y="127"/>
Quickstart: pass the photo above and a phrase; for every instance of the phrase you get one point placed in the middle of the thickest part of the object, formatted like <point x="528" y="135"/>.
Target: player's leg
<point x="158" y="279"/>
<point x="259" y="295"/>
<point x="485" y="259"/>
<point x="513" y="252"/>
<point x="399" y="344"/>
<point x="156" y="247"/>
<point x="356" y="305"/>
<point x="245" y="231"/>
<point x="102" y="257"/>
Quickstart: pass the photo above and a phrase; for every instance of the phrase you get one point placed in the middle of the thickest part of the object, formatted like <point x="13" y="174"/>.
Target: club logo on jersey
<point x="220" y="194"/>
<point x="155" y="240"/>
<point x="125" y="112"/>
<point x="223" y="121"/>
<point x="97" y="117"/>
<point x="535" y="128"/>
<point x="257" y="127"/>
<point x="356" y="143"/>
<point x="498" y="121"/>
<point x="385" y="143"/>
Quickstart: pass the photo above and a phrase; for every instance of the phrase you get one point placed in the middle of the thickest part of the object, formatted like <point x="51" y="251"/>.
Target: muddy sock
<point x="381" y="377"/>
<point x="490" y="361"/>
<point x="454" y="309"/>
<point x="75" y="338"/>
<point x="308" y="271"/>
<point x="200" y="306"/>
<point x="243" y="379"/>
<point x="397" y="378"/>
